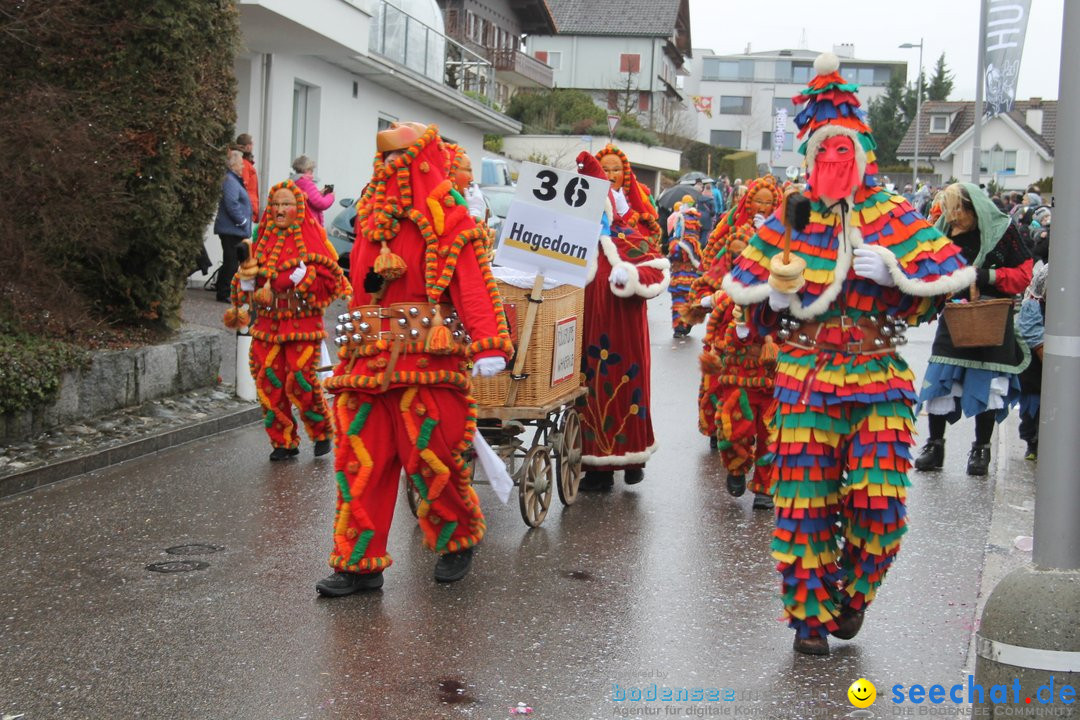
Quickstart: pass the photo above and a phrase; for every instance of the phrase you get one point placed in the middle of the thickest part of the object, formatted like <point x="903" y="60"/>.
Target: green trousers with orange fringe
<point x="285" y="376"/>
<point x="423" y="429"/>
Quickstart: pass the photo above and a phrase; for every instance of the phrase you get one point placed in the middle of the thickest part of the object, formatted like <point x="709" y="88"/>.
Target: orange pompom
<point x="710" y="363"/>
<point x="440" y="341"/>
<point x="389" y="265"/>
<point x="236" y="318"/>
<point x="264" y="296"/>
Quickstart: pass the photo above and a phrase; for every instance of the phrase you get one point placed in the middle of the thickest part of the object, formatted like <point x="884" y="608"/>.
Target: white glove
<point x="779" y="301"/>
<point x="619" y="276"/>
<point x="759" y="220"/>
<point x="868" y="264"/>
<point x="298" y="274"/>
<point x="706" y="302"/>
<point x="742" y="332"/>
<point x="486" y="367"/>
<point x="247" y="285"/>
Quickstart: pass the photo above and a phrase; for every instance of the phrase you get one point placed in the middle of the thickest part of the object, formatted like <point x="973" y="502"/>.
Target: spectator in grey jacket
<point x="233" y="223"/>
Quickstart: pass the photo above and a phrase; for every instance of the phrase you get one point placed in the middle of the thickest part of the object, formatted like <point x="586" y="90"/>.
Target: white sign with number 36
<point x="553" y="224"/>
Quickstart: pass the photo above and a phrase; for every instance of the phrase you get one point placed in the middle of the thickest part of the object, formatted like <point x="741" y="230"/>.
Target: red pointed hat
<point x="588" y="165"/>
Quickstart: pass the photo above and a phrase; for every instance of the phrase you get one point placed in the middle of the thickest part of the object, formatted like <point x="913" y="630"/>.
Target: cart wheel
<point x="537" y="481"/>
<point x="569" y="451"/>
<point x="412" y="494"/>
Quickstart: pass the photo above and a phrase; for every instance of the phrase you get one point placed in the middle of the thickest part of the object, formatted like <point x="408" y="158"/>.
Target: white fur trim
<point x="638" y="458"/>
<point x="826" y="63"/>
<point x="633" y="286"/>
<point x="959" y="280"/>
<point x="827" y="131"/>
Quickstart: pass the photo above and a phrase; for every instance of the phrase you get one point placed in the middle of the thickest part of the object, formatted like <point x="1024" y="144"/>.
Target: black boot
<point x="932" y="456"/>
<point x="712" y="442"/>
<point x="978" y="459"/>
<point x="323" y="446"/>
<point x="763" y="501"/>
<point x="597" y="481"/>
<point x="347" y="583"/>
<point x="283" y="454"/>
<point x="451" y="567"/>
<point x="736" y="485"/>
<point x="634" y="475"/>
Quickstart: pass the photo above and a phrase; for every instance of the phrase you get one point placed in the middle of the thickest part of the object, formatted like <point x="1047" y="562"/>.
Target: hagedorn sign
<point x="553" y="224"/>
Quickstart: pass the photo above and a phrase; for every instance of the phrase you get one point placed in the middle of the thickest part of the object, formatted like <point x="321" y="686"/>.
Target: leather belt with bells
<point x="880" y="334"/>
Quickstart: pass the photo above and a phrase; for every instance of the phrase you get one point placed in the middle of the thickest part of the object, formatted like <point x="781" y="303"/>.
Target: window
<point x="766" y="141"/>
<point x="734" y="105"/>
<point x="725" y="138"/>
<point x="541" y="55"/>
<point x="385" y="121"/>
<point x="786" y="104"/>
<point x="612" y="99"/>
<point x="554" y="60"/>
<point x="716" y="69"/>
<point x="801" y="73"/>
<point x="997" y="161"/>
<point x="305" y="120"/>
<point x="782" y="71"/>
<point x="643" y="101"/>
<point x="939" y="123"/>
<point x="629" y="63"/>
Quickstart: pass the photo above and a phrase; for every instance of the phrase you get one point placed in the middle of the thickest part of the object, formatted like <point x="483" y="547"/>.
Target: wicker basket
<point x="979" y="323"/>
<point x="536" y="390"/>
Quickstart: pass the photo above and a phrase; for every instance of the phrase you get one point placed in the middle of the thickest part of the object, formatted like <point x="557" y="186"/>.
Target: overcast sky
<point x="949" y="26"/>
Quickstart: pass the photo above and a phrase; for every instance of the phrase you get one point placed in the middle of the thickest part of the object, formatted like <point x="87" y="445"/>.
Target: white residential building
<point x="320" y="78"/>
<point x="743" y="92"/>
<point x="1017" y="147"/>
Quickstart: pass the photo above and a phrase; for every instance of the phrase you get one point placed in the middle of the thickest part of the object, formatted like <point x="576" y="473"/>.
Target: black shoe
<point x="763" y="501"/>
<point x="848" y="623"/>
<point x="932" y="456"/>
<point x="597" y="481"/>
<point x="634" y="476"/>
<point x="453" y="566"/>
<point x="978" y="459"/>
<point x="811" y="645"/>
<point x="323" y="446"/>
<point x="736" y="485"/>
<point x="712" y="442"/>
<point x="347" y="583"/>
<point x="283" y="454"/>
<point x="681" y="331"/>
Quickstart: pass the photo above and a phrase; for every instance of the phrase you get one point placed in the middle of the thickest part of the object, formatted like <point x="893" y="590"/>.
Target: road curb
<point x="54" y="472"/>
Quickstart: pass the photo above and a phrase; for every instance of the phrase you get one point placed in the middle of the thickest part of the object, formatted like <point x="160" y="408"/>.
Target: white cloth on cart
<point x="494" y="468"/>
<point x="520" y="278"/>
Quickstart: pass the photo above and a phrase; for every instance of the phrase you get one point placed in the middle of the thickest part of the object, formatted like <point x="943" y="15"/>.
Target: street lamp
<point x="918" y="112"/>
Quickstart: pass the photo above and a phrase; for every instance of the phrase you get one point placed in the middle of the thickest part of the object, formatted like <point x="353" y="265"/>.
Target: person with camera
<point x="304" y="177"/>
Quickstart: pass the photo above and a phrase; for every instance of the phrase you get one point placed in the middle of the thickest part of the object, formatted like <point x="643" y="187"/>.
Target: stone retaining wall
<point x="122" y="378"/>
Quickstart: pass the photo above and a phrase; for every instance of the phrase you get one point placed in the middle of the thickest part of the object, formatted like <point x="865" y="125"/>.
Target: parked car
<point x="498" y="199"/>
<point x="341" y="232"/>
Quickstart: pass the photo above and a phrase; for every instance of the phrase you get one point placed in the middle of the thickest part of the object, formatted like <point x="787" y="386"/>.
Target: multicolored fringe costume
<point x="684" y="254"/>
<point x="727" y="240"/>
<point x="288" y="331"/>
<point x="845" y="395"/>
<point x="643" y="215"/>
<point x="616" y="418"/>
<point x="741" y="404"/>
<point x="402" y="386"/>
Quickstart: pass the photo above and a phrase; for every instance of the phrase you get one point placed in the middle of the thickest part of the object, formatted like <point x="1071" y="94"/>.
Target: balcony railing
<point x="525" y="66"/>
<point x="401" y="38"/>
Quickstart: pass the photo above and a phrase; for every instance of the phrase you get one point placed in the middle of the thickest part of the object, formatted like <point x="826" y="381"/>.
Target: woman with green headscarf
<point x="981" y="382"/>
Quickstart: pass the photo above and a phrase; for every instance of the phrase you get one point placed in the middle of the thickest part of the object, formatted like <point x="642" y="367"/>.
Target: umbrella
<point x="691" y="177"/>
<point x="674" y="194"/>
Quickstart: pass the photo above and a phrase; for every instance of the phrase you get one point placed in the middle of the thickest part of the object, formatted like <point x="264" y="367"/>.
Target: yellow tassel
<point x="389" y="265"/>
<point x="440" y="341"/>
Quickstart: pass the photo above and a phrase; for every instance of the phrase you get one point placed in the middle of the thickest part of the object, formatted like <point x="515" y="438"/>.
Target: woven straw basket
<point x="979" y="323"/>
<point x="536" y="390"/>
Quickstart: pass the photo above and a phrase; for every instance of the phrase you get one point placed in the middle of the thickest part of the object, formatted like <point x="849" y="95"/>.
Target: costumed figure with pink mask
<point x="615" y="414"/>
<point x="839" y="291"/>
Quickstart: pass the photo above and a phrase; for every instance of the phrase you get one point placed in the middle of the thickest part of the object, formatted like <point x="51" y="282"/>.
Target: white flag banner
<point x="1003" y="42"/>
<point x="779" y="134"/>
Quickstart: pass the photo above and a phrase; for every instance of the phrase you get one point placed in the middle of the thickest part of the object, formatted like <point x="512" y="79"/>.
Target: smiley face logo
<point x="862" y="693"/>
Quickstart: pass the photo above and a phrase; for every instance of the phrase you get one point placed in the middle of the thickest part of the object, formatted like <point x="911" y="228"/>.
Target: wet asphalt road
<point x="669" y="582"/>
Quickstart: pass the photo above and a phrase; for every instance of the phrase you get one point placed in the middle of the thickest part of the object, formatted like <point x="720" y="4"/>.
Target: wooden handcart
<point x="525" y="399"/>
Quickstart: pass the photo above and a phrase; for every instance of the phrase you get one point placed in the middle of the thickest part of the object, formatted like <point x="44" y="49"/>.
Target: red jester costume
<point x="840" y="293"/>
<point x="428" y="306"/>
<point x="615" y="414"/>
<point x="290" y="278"/>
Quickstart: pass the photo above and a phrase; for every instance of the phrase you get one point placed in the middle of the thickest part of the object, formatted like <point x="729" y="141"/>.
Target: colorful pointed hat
<point x="833" y="109"/>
